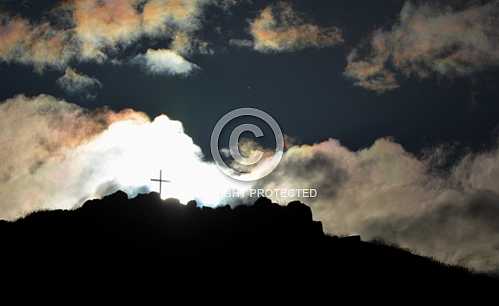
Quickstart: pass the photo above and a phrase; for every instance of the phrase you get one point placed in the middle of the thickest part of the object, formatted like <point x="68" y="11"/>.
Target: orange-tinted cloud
<point x="108" y="23"/>
<point x="158" y="15"/>
<point x="429" y="40"/>
<point x="93" y="29"/>
<point x="38" y="45"/>
<point x="12" y="33"/>
<point x="279" y="28"/>
<point x="370" y="73"/>
<point x="59" y="155"/>
<point x="42" y="158"/>
<point x="185" y="43"/>
<point x="179" y="19"/>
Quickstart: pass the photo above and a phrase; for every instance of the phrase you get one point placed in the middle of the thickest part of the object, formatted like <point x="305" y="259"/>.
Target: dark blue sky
<point x="305" y="91"/>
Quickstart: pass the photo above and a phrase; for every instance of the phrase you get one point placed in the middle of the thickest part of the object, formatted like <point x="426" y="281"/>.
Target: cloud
<point x="241" y="43"/>
<point x="76" y="83"/>
<point x="184" y="43"/>
<point x="111" y="23"/>
<point x="384" y="192"/>
<point x="105" y="24"/>
<point x="59" y="155"/>
<point x="37" y="168"/>
<point x="100" y="25"/>
<point x="165" y="62"/>
<point x="428" y="40"/>
<point x="371" y="74"/>
<point x="38" y="45"/>
<point x="279" y="28"/>
<point x="94" y="30"/>
<point x="158" y="15"/>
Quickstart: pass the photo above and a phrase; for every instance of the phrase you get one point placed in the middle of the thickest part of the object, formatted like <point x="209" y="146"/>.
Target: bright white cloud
<point x="60" y="155"/>
<point x="165" y="62"/>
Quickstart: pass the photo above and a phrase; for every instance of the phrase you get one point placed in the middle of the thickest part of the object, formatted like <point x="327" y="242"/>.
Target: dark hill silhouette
<point x="117" y="230"/>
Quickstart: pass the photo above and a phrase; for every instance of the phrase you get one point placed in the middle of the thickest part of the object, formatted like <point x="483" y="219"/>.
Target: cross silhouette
<point x="161" y="181"/>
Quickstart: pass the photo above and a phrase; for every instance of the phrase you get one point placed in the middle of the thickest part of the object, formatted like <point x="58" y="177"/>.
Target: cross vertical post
<point x="160" y="181"/>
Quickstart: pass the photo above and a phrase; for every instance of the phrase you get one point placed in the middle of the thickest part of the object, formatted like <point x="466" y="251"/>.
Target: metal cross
<point x="161" y="181"/>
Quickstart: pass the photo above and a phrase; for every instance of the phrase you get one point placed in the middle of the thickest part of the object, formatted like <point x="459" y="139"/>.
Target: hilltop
<point x="117" y="230"/>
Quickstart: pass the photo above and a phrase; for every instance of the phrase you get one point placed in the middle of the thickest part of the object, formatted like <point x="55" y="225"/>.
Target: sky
<point x="390" y="108"/>
<point x="313" y="100"/>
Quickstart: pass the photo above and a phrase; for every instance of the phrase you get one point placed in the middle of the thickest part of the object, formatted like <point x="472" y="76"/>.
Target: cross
<point x="161" y="181"/>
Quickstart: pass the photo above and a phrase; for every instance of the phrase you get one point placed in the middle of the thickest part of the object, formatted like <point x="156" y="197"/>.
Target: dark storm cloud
<point x="428" y="39"/>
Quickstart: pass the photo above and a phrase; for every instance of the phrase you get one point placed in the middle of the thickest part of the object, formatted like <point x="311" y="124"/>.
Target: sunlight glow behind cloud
<point x="61" y="155"/>
<point x="140" y="150"/>
<point x="58" y="155"/>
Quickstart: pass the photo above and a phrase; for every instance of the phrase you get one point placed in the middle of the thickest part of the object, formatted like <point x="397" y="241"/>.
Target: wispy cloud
<point x="76" y="83"/>
<point x="279" y="28"/>
<point x="428" y="40"/>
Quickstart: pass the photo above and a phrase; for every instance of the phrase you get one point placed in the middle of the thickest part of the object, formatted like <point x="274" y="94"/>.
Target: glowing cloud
<point x="158" y="15"/>
<point x="165" y="62"/>
<point x="59" y="155"/>
<point x="101" y="24"/>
